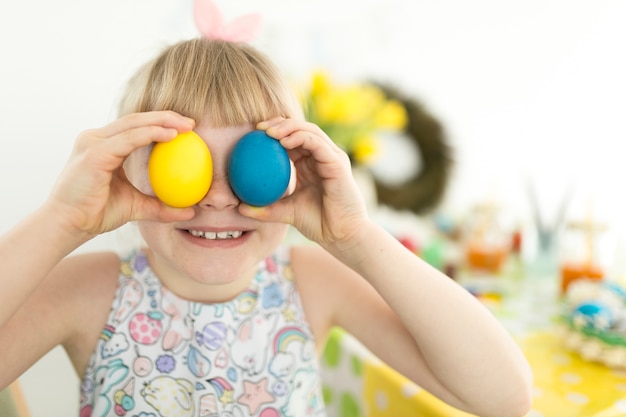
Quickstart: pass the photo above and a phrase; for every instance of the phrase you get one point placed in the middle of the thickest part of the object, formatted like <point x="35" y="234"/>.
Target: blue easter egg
<point x="592" y="315"/>
<point x="259" y="169"/>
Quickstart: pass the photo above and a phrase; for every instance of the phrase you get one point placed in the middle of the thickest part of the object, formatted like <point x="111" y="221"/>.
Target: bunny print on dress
<point x="163" y="356"/>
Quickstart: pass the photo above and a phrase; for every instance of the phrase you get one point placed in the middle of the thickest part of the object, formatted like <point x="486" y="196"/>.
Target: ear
<point x="245" y="331"/>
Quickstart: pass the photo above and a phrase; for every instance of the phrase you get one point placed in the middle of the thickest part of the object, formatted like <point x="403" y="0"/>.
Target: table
<point x="359" y="385"/>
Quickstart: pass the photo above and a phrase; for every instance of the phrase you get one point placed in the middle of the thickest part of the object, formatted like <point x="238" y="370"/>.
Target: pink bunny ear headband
<point x="211" y="24"/>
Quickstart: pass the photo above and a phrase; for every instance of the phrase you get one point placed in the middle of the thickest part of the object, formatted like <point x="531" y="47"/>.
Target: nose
<point x="220" y="195"/>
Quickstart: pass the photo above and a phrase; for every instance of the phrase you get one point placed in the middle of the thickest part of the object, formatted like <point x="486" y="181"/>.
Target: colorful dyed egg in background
<point x="259" y="169"/>
<point x="181" y="170"/>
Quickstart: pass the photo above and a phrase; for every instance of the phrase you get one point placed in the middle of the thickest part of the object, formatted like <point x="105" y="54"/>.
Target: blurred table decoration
<point x="579" y="258"/>
<point x="487" y="241"/>
<point x="547" y="229"/>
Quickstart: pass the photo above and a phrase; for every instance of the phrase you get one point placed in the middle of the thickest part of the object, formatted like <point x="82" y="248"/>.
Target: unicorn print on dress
<point x="160" y="355"/>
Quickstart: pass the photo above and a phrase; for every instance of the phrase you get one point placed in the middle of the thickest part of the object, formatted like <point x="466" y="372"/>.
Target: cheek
<point x="273" y="234"/>
<point x="136" y="169"/>
<point x="153" y="233"/>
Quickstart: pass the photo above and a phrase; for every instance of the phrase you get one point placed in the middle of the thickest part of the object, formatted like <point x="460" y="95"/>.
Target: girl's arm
<point x="434" y="331"/>
<point x="408" y="313"/>
<point x="47" y="298"/>
<point x="91" y="196"/>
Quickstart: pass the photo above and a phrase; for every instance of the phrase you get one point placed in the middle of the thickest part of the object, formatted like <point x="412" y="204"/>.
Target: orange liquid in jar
<point x="488" y="259"/>
<point x="570" y="272"/>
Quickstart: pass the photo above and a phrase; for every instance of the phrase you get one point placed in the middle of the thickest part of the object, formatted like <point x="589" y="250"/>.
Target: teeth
<point x="217" y="235"/>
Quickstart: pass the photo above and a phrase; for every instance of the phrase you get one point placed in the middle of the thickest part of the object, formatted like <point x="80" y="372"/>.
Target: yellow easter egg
<point x="181" y="170"/>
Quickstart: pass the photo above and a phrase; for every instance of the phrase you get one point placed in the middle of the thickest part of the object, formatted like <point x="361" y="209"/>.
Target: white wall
<point x="527" y="90"/>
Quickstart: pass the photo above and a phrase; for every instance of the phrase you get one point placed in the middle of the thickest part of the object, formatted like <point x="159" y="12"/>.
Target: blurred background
<point x="529" y="96"/>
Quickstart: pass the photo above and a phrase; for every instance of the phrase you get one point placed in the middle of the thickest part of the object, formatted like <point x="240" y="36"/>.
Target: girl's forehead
<point x="226" y="135"/>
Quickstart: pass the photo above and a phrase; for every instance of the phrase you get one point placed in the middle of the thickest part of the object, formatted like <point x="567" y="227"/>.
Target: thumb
<point x="154" y="209"/>
<point x="278" y="212"/>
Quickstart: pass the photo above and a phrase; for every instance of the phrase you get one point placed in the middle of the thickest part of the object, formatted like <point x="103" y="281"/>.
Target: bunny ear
<point x="208" y="19"/>
<point x="245" y="331"/>
<point x="243" y="29"/>
<point x="211" y="24"/>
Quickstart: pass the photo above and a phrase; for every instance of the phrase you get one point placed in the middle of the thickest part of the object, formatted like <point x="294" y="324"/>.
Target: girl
<point x="214" y="316"/>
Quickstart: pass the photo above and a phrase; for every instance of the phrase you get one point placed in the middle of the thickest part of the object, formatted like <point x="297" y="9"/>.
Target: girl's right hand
<point x="93" y="194"/>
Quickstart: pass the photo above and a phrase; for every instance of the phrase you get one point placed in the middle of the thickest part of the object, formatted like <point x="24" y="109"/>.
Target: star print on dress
<point x="255" y="395"/>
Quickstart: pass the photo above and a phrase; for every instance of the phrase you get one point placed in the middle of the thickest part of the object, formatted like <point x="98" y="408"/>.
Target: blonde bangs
<point x="223" y="83"/>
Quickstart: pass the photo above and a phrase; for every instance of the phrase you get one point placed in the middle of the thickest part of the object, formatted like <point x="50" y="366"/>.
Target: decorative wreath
<point x="424" y="192"/>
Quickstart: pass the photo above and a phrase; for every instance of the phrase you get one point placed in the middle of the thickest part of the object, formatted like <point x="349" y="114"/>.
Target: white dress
<point x="163" y="356"/>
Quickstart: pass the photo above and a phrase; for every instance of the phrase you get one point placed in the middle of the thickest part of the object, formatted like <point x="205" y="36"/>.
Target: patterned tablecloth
<point x="359" y="385"/>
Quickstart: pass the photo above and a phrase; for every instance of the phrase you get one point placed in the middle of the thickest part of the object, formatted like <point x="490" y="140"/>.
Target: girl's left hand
<point x="326" y="205"/>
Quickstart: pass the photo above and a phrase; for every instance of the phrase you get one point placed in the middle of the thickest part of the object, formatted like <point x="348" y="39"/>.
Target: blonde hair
<point x="224" y="83"/>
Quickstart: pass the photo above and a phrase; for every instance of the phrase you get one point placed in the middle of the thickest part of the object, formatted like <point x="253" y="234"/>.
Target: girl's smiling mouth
<point x="213" y="235"/>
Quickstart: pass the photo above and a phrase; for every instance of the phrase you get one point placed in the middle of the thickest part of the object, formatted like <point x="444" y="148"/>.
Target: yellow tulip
<point x="352" y="114"/>
<point x="320" y="84"/>
<point x="392" y="115"/>
<point x="353" y="105"/>
<point x="365" y="149"/>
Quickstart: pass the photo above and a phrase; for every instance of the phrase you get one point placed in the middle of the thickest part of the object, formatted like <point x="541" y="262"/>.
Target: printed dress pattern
<point x="163" y="356"/>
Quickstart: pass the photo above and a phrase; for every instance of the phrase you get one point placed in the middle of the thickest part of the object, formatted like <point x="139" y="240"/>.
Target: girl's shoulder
<point x="68" y="307"/>
<point x="92" y="261"/>
<point x="311" y="261"/>
<point x="90" y="279"/>
<point x="88" y="282"/>
<point x="88" y="274"/>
